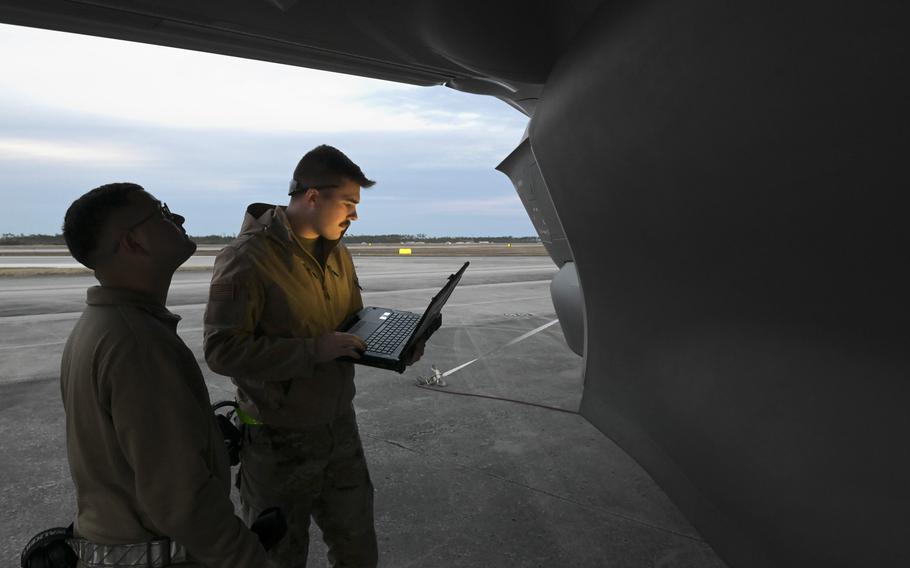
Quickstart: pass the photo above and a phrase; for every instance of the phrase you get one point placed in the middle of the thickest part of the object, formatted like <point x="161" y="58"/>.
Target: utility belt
<point x="58" y="548"/>
<point x="153" y="554"/>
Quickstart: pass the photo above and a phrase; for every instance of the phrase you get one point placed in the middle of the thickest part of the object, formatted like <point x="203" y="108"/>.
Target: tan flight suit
<point x="145" y="452"/>
<point x="269" y="299"/>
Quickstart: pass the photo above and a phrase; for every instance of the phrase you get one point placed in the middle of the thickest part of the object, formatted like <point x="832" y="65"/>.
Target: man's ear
<point x="311" y="195"/>
<point x="128" y="244"/>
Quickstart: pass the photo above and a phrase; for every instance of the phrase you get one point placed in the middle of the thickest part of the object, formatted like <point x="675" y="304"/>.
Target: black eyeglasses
<point x="162" y="210"/>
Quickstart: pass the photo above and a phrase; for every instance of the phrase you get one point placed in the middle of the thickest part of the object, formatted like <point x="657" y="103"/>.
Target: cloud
<point x="379" y="197"/>
<point x="193" y="90"/>
<point x="211" y="134"/>
<point x="509" y="206"/>
<point x="17" y="149"/>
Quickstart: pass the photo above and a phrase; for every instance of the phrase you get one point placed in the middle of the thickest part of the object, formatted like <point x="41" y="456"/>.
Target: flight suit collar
<point x="108" y="296"/>
<point x="260" y="217"/>
<point x="273" y="220"/>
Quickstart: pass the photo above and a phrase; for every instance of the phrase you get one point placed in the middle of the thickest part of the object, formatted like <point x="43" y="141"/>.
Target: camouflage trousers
<point x="319" y="473"/>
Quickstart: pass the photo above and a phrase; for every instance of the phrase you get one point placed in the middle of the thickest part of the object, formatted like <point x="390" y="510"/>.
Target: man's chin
<point x="188" y="251"/>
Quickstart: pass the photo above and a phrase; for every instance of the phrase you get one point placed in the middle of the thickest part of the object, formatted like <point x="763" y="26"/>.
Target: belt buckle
<point x="161" y="556"/>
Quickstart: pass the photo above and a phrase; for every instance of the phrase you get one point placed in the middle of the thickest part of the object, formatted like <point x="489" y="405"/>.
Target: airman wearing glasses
<point x="147" y="458"/>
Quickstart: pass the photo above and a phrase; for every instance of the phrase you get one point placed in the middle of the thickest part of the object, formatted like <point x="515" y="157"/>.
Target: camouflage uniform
<point x="269" y="300"/>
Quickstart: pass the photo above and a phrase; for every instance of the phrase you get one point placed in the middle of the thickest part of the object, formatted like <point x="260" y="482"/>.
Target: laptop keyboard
<point x="396" y="329"/>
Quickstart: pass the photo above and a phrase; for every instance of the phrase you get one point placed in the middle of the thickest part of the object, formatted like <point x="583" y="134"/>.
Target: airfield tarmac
<point x="461" y="481"/>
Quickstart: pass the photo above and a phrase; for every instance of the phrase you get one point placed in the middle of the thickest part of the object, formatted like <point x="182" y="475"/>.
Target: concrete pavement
<point x="460" y="480"/>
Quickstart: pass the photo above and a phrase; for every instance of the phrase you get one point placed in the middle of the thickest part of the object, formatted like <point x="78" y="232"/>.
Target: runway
<point x="460" y="480"/>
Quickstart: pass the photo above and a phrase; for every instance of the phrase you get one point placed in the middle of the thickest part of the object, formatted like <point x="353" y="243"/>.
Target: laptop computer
<point x="389" y="333"/>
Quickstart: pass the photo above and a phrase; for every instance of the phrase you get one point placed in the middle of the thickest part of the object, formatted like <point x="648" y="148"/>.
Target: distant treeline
<point x="11" y="239"/>
<point x="421" y="238"/>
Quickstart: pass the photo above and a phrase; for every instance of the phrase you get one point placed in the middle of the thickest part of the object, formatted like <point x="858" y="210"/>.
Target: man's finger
<point x="356" y="341"/>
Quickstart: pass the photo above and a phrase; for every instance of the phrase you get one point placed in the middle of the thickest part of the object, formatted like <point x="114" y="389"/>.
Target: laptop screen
<point x="436" y="304"/>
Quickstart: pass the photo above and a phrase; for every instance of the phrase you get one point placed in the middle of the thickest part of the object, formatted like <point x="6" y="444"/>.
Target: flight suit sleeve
<point x="167" y="437"/>
<point x="232" y="346"/>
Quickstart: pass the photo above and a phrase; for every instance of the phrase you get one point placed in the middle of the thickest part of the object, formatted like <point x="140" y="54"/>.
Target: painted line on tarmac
<point x="460" y="287"/>
<point x="521" y="337"/>
<point x="40" y="318"/>
<point x="469" y="304"/>
<point x="176" y="284"/>
<point x="197" y="329"/>
<point x="63" y="316"/>
<point x="9" y="380"/>
<point x="361" y="274"/>
<point x="497" y="270"/>
<point x="31" y="345"/>
<point x="53" y="343"/>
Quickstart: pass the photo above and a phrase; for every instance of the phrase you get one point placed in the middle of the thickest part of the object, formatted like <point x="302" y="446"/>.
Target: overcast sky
<point x="209" y="134"/>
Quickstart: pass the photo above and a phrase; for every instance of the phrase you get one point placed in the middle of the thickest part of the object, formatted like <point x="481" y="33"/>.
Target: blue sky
<point x="209" y="134"/>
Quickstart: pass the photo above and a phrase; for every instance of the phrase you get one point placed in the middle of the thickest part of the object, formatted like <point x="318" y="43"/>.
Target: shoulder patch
<point x="221" y="292"/>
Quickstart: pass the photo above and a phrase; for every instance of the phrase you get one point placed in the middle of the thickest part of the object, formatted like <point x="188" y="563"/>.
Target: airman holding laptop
<point x="279" y="292"/>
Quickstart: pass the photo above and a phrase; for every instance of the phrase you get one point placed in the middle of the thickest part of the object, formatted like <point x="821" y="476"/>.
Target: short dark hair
<point x="323" y="167"/>
<point x="87" y="217"/>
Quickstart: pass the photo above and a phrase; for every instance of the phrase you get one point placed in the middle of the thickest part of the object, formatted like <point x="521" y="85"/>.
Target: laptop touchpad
<point x="363" y="328"/>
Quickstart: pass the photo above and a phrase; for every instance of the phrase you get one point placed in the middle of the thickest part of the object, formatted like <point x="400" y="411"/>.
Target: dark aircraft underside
<point x="721" y="183"/>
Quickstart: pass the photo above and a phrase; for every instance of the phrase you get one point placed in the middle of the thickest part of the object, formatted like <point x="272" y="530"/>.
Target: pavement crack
<point x="394" y="443"/>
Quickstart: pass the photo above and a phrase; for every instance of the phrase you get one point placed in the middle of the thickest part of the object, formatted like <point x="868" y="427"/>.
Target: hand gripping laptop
<point x="390" y="334"/>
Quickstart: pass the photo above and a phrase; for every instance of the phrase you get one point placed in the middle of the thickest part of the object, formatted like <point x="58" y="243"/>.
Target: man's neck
<point x="156" y="287"/>
<point x="299" y="225"/>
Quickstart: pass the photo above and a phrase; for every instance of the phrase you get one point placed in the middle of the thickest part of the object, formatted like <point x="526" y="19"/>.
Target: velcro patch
<point x="221" y="292"/>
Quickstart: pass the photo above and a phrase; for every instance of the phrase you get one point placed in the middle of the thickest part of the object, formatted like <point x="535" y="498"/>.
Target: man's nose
<point x="353" y="214"/>
<point x="178" y="218"/>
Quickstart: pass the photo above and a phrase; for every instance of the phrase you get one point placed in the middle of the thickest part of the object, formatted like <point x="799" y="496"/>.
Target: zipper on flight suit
<point x="325" y="291"/>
